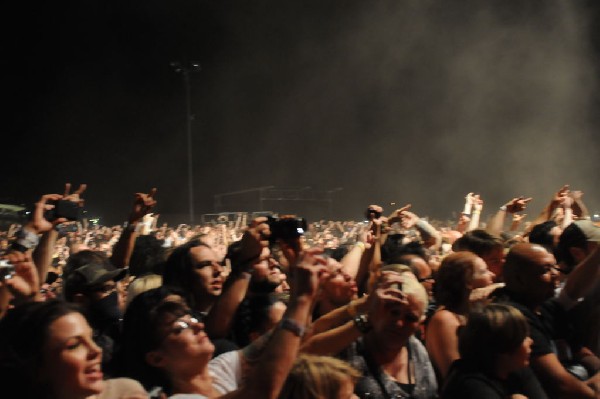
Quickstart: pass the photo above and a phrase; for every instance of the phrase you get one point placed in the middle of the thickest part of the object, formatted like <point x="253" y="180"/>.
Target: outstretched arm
<point x="42" y="255"/>
<point x="476" y="213"/>
<point x="496" y="224"/>
<point x="267" y="378"/>
<point x="142" y="205"/>
<point x="220" y="318"/>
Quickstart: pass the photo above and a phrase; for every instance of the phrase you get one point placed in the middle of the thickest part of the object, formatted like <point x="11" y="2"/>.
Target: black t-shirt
<point x="550" y="328"/>
<point x="466" y="382"/>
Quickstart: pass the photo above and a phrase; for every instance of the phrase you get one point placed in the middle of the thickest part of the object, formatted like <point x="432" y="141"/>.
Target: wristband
<point x="25" y="241"/>
<point x="130" y="227"/>
<point x="503" y="208"/>
<point x="362" y="323"/>
<point x="293" y="327"/>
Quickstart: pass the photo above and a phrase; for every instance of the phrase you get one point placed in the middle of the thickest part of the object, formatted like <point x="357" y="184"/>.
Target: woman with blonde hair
<point x="320" y="377"/>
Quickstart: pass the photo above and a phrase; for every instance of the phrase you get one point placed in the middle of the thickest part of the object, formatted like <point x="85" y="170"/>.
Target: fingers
<point x="80" y="190"/>
<point x="405" y="208"/>
<point x="152" y="192"/>
<point x="75" y="196"/>
<point x="564" y="189"/>
<point x="50" y="197"/>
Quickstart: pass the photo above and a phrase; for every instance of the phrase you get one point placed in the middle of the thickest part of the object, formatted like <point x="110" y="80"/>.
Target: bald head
<point x="530" y="271"/>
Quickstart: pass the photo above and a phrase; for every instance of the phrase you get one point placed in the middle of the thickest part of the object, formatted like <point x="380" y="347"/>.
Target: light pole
<point x="185" y="69"/>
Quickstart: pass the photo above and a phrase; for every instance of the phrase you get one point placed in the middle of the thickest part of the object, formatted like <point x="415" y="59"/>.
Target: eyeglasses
<point x="181" y="325"/>
<point x="106" y="289"/>
<point x="555" y="268"/>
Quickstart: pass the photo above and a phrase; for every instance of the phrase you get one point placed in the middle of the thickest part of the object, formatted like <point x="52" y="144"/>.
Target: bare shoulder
<point x="124" y="388"/>
<point x="444" y="317"/>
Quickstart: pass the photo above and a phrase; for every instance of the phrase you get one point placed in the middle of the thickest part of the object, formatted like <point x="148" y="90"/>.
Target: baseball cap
<point x="90" y="276"/>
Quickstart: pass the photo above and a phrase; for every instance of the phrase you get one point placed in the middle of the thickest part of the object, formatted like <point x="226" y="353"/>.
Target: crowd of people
<point x="394" y="306"/>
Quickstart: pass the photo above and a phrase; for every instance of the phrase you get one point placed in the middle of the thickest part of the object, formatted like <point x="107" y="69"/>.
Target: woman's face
<point x="184" y="343"/>
<point x="482" y="276"/>
<point x="398" y="315"/>
<point x="520" y="357"/>
<point x="71" y="359"/>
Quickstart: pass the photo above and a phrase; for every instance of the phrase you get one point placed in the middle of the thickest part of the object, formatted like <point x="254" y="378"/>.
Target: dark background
<point x="397" y="101"/>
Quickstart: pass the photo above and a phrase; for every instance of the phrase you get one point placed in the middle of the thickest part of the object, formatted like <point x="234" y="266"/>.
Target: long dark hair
<point x="141" y="334"/>
<point x="23" y="335"/>
<point x="179" y="270"/>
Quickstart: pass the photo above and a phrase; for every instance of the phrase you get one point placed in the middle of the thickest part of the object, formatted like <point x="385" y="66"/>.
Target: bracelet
<point x="362" y="323"/>
<point x="293" y="327"/>
<point x="361" y="245"/>
<point x="476" y="213"/>
<point x="503" y="208"/>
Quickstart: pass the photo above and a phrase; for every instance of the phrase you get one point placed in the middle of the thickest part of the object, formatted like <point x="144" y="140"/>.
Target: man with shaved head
<point x="531" y="276"/>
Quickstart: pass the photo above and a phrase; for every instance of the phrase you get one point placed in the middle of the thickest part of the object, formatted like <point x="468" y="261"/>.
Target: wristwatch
<point x="362" y="323"/>
<point x="292" y="326"/>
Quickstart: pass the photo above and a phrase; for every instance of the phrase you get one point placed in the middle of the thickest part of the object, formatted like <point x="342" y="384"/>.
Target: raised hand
<point x="477" y="202"/>
<point x="308" y="273"/>
<point x="39" y="224"/>
<point x="142" y="205"/>
<point x="409" y="219"/>
<point x="75" y="196"/>
<point x="517" y="204"/>
<point x="25" y="283"/>
<point x="255" y="238"/>
<point x="518" y="217"/>
<point x="386" y="294"/>
<point x="559" y="196"/>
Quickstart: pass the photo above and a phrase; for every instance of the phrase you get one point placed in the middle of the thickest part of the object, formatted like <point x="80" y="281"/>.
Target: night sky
<point x="395" y="101"/>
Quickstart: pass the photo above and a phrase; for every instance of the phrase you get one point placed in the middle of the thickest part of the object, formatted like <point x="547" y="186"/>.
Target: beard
<point x="264" y="286"/>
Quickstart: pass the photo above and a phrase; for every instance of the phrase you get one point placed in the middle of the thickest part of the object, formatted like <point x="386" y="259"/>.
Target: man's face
<point x="266" y="269"/>
<point x="208" y="278"/>
<point x="542" y="275"/>
<point x="103" y="291"/>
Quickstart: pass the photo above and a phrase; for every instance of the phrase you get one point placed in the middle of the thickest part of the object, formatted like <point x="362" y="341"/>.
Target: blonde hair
<point x="142" y="284"/>
<point x="410" y="285"/>
<point x="317" y="377"/>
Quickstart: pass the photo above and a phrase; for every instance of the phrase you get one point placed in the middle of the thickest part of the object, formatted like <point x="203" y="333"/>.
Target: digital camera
<point x="7" y="270"/>
<point x="286" y="228"/>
